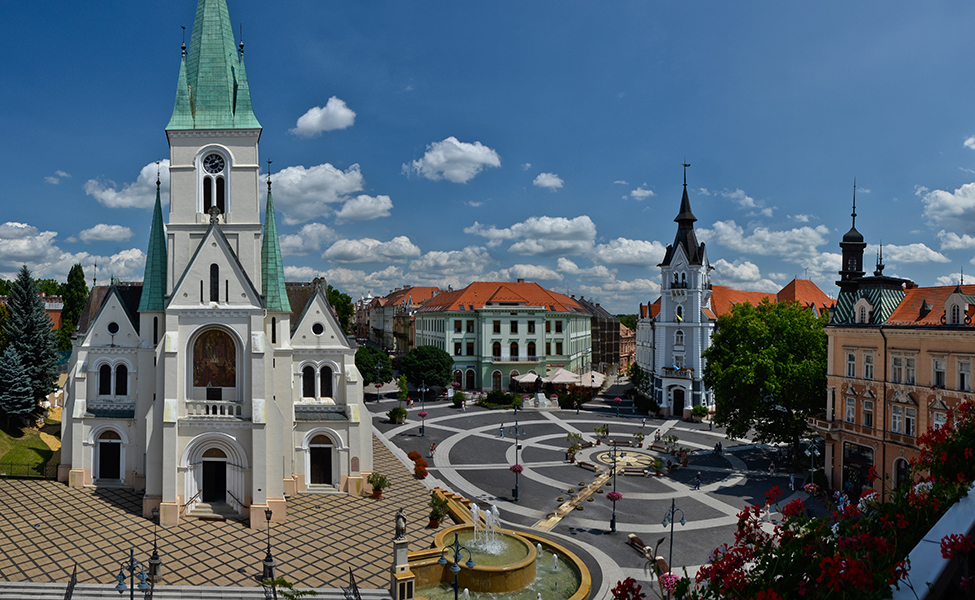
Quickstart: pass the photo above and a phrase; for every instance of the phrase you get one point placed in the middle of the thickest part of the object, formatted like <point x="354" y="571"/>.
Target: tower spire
<point x="154" y="281"/>
<point x="272" y="266"/>
<point x="854" y="215"/>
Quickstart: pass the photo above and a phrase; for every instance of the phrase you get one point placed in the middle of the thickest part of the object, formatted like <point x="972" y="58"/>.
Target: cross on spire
<point x="685" y="173"/>
<point x="854" y="215"/>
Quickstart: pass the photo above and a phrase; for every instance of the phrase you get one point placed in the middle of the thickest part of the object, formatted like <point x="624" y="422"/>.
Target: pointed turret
<point x="214" y="82"/>
<point x="154" y="280"/>
<point x="852" y="247"/>
<point x="685" y="238"/>
<point x="272" y="267"/>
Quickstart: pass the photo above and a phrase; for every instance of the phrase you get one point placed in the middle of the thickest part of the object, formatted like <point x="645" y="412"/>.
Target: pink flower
<point x="669" y="582"/>
<point x="422" y="414"/>
<point x="516" y="468"/>
<point x="614" y="496"/>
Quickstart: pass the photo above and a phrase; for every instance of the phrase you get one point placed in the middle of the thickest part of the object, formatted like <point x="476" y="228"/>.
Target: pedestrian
<point x="576" y="404"/>
<point x="697" y="481"/>
<point x="656" y="436"/>
<point x="792" y="482"/>
<point x="502" y="430"/>
<point x="463" y="405"/>
<point x="771" y="467"/>
<point x="717" y="448"/>
<point x="644" y="423"/>
<point x="433" y="450"/>
<point x="710" y="425"/>
<point x="720" y="448"/>
<point x="410" y="402"/>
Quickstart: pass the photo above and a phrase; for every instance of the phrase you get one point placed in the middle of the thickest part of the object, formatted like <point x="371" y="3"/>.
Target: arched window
<point x="496" y="380"/>
<point x="496" y="350"/>
<point x="214" y="182"/>
<point x="214" y="283"/>
<point x="308" y="382"/>
<point x="531" y="351"/>
<point x="458" y="378"/>
<point x="679" y="338"/>
<point x="274" y="330"/>
<point x="955" y="314"/>
<point x="470" y="380"/>
<point x="121" y="380"/>
<point x="863" y="314"/>
<point x="326" y="382"/>
<point x="680" y="313"/>
<point x="683" y="279"/>
<point x="105" y="380"/>
<point x="901" y="473"/>
<point x="676" y="280"/>
<point x="155" y="330"/>
<point x="214" y="360"/>
<point x="514" y="350"/>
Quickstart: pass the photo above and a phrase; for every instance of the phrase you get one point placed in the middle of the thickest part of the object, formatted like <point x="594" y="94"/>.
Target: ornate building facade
<point x="214" y="383"/>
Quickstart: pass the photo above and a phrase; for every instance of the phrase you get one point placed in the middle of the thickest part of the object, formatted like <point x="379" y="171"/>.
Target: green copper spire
<point x="154" y="281"/>
<point x="215" y="83"/>
<point x="272" y="267"/>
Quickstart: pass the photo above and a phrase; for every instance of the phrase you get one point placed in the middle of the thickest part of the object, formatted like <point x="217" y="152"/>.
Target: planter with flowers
<point x="438" y="510"/>
<point x="516" y="469"/>
<point x="379" y="482"/>
<point x="420" y="468"/>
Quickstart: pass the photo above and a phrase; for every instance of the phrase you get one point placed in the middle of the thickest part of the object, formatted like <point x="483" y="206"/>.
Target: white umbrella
<point x="526" y="378"/>
<point x="561" y="376"/>
<point x="592" y="379"/>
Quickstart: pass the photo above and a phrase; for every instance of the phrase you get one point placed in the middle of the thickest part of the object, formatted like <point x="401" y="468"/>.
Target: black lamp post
<point x="136" y="570"/>
<point x="423" y="407"/>
<point x="669" y="520"/>
<point x="812" y="452"/>
<point x="455" y="566"/>
<point x="517" y="433"/>
<point x="269" y="563"/>
<point x="378" y="383"/>
<point x="155" y="563"/>
<point x="612" y="524"/>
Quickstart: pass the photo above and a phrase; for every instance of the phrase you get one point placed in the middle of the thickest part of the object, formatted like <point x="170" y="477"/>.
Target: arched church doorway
<point x="214" y="476"/>
<point x="678" y="403"/>
<point x="110" y="456"/>
<point x="320" y="460"/>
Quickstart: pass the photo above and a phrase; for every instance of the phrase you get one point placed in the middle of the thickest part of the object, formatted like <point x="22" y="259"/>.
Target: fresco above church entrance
<point x="214" y="360"/>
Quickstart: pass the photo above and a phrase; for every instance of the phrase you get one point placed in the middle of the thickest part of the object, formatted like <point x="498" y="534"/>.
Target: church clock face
<point x="213" y="163"/>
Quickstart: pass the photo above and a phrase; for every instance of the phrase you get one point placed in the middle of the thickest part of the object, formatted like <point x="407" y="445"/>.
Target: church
<point x="214" y="386"/>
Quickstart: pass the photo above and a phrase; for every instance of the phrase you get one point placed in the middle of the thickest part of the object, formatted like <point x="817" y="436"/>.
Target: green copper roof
<point x="213" y="92"/>
<point x="272" y="267"/>
<point x="154" y="281"/>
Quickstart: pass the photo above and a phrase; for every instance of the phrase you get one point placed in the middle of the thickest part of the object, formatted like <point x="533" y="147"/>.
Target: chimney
<point x="521" y="281"/>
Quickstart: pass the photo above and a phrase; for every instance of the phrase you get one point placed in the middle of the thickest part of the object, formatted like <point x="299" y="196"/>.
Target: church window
<point x="121" y="380"/>
<point x="105" y="380"/>
<point x="274" y="330"/>
<point x="679" y="338"/>
<point x="214" y="183"/>
<point x="317" y="329"/>
<point x="308" y="382"/>
<point x="214" y="360"/>
<point x="680" y="313"/>
<point x="221" y="205"/>
<point x="326" y="382"/>
<point x="683" y="279"/>
<point x="214" y="283"/>
<point x="113" y="328"/>
<point x="155" y="330"/>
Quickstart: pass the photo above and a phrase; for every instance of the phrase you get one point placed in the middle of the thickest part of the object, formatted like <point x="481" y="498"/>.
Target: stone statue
<point x="400" y="525"/>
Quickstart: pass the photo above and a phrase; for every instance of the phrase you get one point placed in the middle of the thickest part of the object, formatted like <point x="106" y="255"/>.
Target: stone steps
<point x="217" y="511"/>
<point x="320" y="488"/>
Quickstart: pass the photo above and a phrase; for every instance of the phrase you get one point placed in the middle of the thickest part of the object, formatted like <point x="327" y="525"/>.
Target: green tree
<point x="427" y="365"/>
<point x="366" y="359"/>
<point x="16" y="395"/>
<point x="628" y="320"/>
<point x="342" y="303"/>
<point x="767" y="368"/>
<point x="402" y="392"/>
<point x="75" y="295"/>
<point x="5" y="287"/>
<point x="49" y="287"/>
<point x="29" y="331"/>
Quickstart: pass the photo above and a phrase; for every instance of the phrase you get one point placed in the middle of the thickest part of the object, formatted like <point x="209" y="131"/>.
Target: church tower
<point x="852" y="247"/>
<point x="682" y="327"/>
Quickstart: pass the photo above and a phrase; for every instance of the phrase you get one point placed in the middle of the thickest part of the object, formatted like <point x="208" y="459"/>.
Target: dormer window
<point x="863" y="314"/>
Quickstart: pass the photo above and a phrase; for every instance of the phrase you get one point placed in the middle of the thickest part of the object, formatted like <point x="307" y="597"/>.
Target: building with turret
<point x="214" y="386"/>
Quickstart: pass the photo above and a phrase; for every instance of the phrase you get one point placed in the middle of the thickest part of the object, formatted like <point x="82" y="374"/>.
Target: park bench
<point x="586" y="445"/>
<point x="636" y="471"/>
<point x="589" y="466"/>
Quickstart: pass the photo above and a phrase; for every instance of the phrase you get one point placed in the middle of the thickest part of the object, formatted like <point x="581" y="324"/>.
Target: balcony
<point x="685" y="373"/>
<point x="523" y="358"/>
<point x="215" y="408"/>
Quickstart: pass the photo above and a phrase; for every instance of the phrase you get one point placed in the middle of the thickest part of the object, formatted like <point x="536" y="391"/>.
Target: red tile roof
<point x="723" y="298"/>
<point x="909" y="311"/>
<point x="482" y="293"/>
<point x="418" y="294"/>
<point x="798" y="290"/>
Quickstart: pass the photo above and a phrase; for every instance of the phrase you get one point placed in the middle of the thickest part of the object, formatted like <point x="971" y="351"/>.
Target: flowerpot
<point x="657" y="473"/>
<point x="572" y="459"/>
<point x="377" y="494"/>
<point x="597" y="442"/>
<point x="639" y="445"/>
<point x="683" y="463"/>
<point x="434" y="523"/>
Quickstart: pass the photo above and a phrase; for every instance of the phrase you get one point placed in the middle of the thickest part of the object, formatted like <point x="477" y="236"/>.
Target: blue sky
<point x="440" y="143"/>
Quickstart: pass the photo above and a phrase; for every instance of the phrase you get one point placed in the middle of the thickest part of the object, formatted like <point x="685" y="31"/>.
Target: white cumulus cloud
<point x="303" y="194"/>
<point x="57" y="177"/>
<point x="911" y="253"/>
<point x="140" y="193"/>
<point x="529" y="273"/>
<point x="970" y="142"/>
<point x="471" y="260"/>
<point x="950" y="209"/>
<point x="548" y="180"/>
<point x="745" y="201"/>
<point x="792" y="244"/>
<point x="334" y="115"/>
<point x="594" y="272"/>
<point x="641" y="193"/>
<point x="310" y="238"/>
<point x="542" y="236"/>
<point x="952" y="241"/>
<point x="105" y="233"/>
<point x="454" y="160"/>
<point x="634" y="253"/>
<point x="364" y="208"/>
<point x="398" y="249"/>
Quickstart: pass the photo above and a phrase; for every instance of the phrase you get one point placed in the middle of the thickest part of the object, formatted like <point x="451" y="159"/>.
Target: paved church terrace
<point x="473" y="459"/>
<point x="45" y="527"/>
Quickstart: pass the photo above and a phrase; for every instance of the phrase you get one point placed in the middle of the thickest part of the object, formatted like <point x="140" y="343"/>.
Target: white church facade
<point x="214" y="382"/>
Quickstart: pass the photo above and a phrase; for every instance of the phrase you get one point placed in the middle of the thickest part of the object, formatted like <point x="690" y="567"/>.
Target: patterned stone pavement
<point x="45" y="527"/>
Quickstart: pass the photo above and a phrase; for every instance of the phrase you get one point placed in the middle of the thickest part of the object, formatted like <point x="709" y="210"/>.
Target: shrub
<point x="699" y="411"/>
<point x="414" y="455"/>
<point x="499" y="397"/>
<point x="396" y="414"/>
<point x="459" y="398"/>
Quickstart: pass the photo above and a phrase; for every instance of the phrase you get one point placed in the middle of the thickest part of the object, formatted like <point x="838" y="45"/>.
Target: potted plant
<point x="638" y="436"/>
<point x="656" y="465"/>
<point x="379" y="482"/>
<point x="682" y="456"/>
<point x="438" y="510"/>
<point x="574" y="438"/>
<point x="699" y="412"/>
<point x="459" y="398"/>
<point x="397" y="415"/>
<point x="573" y="449"/>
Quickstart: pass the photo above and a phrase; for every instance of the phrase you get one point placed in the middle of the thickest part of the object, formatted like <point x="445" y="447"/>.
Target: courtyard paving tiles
<point x="45" y="527"/>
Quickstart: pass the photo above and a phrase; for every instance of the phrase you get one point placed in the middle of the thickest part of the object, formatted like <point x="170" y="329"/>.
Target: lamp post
<point x="136" y="570"/>
<point x="378" y="383"/>
<point x="516" y="432"/>
<point x="155" y="563"/>
<point x="612" y="524"/>
<point x="669" y="520"/>
<point x="269" y="564"/>
<point x="423" y="394"/>
<point x="455" y="567"/>
<point x="812" y="452"/>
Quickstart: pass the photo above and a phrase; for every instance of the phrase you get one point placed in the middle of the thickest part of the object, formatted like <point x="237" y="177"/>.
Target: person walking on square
<point x="433" y="450"/>
<point x="697" y="481"/>
<point x="771" y="467"/>
<point x="502" y="430"/>
<point x="644" y="423"/>
<point x="792" y="483"/>
<point x="463" y="405"/>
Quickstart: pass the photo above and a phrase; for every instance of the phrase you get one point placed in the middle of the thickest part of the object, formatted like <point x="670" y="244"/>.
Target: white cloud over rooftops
<point x="334" y="115"/>
<point x="950" y="209"/>
<point x="453" y="160"/>
<point x="910" y="253"/>
<point x="542" y="236"/>
<point x="398" y="249"/>
<point x="140" y="193"/>
<point x="309" y="239"/>
<point x="303" y="194"/>
<point x="792" y="244"/>
<point x="105" y="233"/>
<point x="634" y="253"/>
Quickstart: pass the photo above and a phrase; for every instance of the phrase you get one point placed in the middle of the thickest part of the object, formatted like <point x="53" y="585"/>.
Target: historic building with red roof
<point x="499" y="330"/>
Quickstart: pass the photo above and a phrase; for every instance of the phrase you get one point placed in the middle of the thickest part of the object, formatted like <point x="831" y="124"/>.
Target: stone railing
<point x="679" y="373"/>
<point x="214" y="408"/>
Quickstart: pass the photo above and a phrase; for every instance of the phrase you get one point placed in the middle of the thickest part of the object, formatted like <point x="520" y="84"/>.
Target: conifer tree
<point x="29" y="331"/>
<point x="75" y="295"/>
<point x="16" y="395"/>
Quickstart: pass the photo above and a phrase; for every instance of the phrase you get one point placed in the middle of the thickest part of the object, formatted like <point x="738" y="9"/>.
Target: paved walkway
<point x="473" y="459"/>
<point x="45" y="527"/>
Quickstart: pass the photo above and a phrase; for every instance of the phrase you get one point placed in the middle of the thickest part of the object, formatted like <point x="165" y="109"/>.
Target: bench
<point x="636" y="471"/>
<point x="586" y="445"/>
<point x="619" y="442"/>
<point x="589" y="466"/>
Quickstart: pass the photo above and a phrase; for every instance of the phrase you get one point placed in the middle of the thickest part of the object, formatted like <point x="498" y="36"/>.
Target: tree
<point x="342" y="303"/>
<point x="16" y="395"/>
<point x="29" y="331"/>
<point x="628" y="320"/>
<point x="366" y="358"/>
<point x="427" y="365"/>
<point x="75" y="295"/>
<point x="402" y="392"/>
<point x="48" y="287"/>
<point x="767" y="368"/>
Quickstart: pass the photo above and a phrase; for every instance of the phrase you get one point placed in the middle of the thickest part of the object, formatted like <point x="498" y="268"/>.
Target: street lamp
<point x="669" y="520"/>
<point x="269" y="564"/>
<point x="423" y="389"/>
<point x="155" y="563"/>
<point x="136" y="570"/>
<point x="612" y="524"/>
<point x="812" y="452"/>
<point x="378" y="383"/>
<point x="455" y="566"/>
<point x="516" y="432"/>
